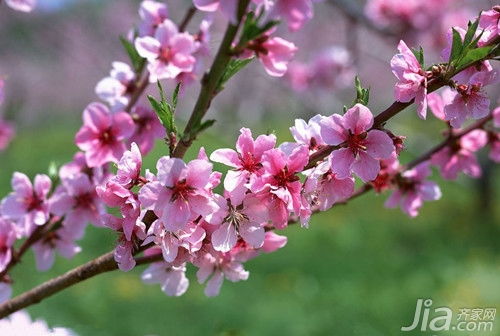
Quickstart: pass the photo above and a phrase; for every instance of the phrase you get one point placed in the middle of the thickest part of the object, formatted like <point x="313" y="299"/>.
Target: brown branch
<point x="106" y="263"/>
<point x="187" y="18"/>
<point x="449" y="141"/>
<point x="209" y="84"/>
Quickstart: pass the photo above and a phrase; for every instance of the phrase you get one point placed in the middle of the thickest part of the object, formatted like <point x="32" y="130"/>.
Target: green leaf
<point x="419" y="55"/>
<point x="362" y="94"/>
<point x="164" y="110"/>
<point x="234" y="66"/>
<point x="206" y="124"/>
<point x="175" y="96"/>
<point x="456" y="46"/>
<point x="137" y="61"/>
<point x="471" y="32"/>
<point x="474" y="55"/>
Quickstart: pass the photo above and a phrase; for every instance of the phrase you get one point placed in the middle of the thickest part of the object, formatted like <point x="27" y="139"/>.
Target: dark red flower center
<point x="181" y="190"/>
<point x="357" y="142"/>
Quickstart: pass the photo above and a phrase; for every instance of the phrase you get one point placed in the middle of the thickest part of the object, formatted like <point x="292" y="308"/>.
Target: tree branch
<point x="209" y="84"/>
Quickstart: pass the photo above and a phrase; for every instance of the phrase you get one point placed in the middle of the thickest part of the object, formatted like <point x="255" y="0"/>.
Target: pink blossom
<point x="124" y="250"/>
<point x="247" y="160"/>
<point x="152" y="14"/>
<point x="102" y="134"/>
<point x="172" y="278"/>
<point x="413" y="189"/>
<point x="62" y="240"/>
<point x="227" y="7"/>
<point x="460" y="155"/>
<point x="389" y="168"/>
<point x="489" y="21"/>
<point x="404" y="14"/>
<point x="309" y="133"/>
<point x="116" y="89"/>
<point x="470" y="100"/>
<point x="181" y="192"/>
<point x="6" y="134"/>
<point x="273" y="242"/>
<point x="412" y="80"/>
<point x="21" y="5"/>
<point x="76" y="200"/>
<point x="362" y="148"/>
<point x="147" y="128"/>
<point x="496" y="117"/>
<point x="214" y="267"/>
<point x="27" y="204"/>
<point x="323" y="188"/>
<point x="494" y="140"/>
<point x="190" y="238"/>
<point x="169" y="52"/>
<point x="234" y="219"/>
<point x="295" y="12"/>
<point x="437" y="102"/>
<point x="7" y="238"/>
<point x="274" y="53"/>
<point x="279" y="183"/>
<point x="129" y="167"/>
<point x="79" y="165"/>
<point x="20" y="324"/>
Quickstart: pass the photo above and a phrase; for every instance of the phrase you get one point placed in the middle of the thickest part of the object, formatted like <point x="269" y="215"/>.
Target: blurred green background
<point x="358" y="269"/>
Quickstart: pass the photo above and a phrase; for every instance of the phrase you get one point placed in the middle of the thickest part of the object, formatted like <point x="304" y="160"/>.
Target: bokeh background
<point x="358" y="269"/>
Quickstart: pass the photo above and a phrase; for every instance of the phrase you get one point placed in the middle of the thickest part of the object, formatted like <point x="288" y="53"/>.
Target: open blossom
<point x="273" y="52"/>
<point x="7" y="238"/>
<point x="180" y="193"/>
<point x="437" y="102"/>
<point x="77" y="200"/>
<point x="124" y="249"/>
<point x="412" y="80"/>
<point x="147" y="128"/>
<point x="152" y="14"/>
<point x="20" y="324"/>
<point x="246" y="160"/>
<point x="116" y="89"/>
<point x="460" y="156"/>
<point x="323" y="188"/>
<point x="172" y="278"/>
<point x="279" y="185"/>
<point x="489" y="21"/>
<point x="21" y="5"/>
<point x="189" y="238"/>
<point x="102" y="134"/>
<point x="62" y="240"/>
<point x="214" y="266"/>
<point x="6" y="134"/>
<point x="470" y="100"/>
<point x="362" y="148"/>
<point x="295" y="12"/>
<point x="79" y="165"/>
<point x="27" y="204"/>
<point x="169" y="52"/>
<point x="309" y="133"/>
<point x="235" y="220"/>
<point x="413" y="189"/>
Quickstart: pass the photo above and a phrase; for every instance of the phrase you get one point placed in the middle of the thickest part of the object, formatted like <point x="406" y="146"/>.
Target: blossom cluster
<point x="176" y="214"/>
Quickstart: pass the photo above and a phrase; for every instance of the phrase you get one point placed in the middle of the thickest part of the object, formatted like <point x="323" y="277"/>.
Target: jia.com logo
<point x="469" y="320"/>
